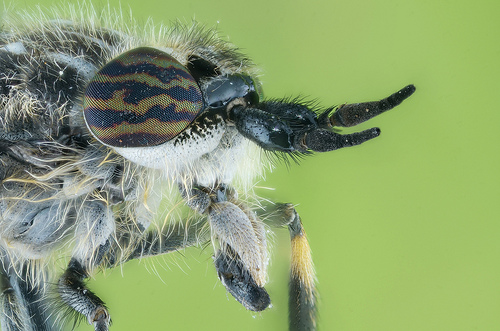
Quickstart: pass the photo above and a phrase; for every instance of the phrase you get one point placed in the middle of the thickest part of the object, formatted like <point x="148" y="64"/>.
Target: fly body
<point x="105" y="130"/>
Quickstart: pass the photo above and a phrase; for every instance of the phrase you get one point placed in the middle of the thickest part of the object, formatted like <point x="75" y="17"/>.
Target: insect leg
<point x="302" y="291"/>
<point x="95" y="226"/>
<point x="155" y="242"/>
<point x="75" y="294"/>
<point x="241" y="256"/>
<point x="238" y="281"/>
<point x="108" y="254"/>
<point x="15" y="315"/>
<point x="21" y="301"/>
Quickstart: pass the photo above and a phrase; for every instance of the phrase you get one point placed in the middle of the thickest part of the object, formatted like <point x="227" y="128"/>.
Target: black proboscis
<point x="284" y="126"/>
<point x="356" y="113"/>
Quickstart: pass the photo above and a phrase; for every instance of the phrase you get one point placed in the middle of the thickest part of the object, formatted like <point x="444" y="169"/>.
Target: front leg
<point x="240" y="241"/>
<point x="74" y="293"/>
<point x="241" y="259"/>
<point x="22" y="298"/>
<point x="95" y="228"/>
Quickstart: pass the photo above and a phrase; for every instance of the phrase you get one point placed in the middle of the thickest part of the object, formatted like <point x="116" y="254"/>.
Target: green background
<point x="405" y="228"/>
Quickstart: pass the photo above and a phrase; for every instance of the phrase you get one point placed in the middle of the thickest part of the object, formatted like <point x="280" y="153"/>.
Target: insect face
<point x="145" y="97"/>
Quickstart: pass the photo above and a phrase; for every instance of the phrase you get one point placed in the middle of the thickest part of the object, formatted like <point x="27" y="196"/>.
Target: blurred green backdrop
<point x="404" y="229"/>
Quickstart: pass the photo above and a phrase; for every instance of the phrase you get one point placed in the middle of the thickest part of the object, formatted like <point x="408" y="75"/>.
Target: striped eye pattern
<point x="143" y="97"/>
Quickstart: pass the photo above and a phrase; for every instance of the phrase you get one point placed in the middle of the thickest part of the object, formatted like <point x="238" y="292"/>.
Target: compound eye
<point x="143" y="97"/>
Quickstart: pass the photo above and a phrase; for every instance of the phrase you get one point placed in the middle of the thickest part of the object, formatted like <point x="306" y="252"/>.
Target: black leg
<point x="174" y="238"/>
<point x="239" y="282"/>
<point x="75" y="294"/>
<point x="22" y="301"/>
<point x="241" y="255"/>
<point x="15" y="314"/>
<point x="302" y="290"/>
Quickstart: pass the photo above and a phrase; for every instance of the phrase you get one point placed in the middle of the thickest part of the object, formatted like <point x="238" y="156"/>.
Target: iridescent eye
<point x="143" y="97"/>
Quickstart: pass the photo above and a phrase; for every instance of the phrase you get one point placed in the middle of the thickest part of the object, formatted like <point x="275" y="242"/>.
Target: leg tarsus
<point x="241" y="259"/>
<point x="239" y="282"/>
<point x="76" y="295"/>
<point x="101" y="319"/>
